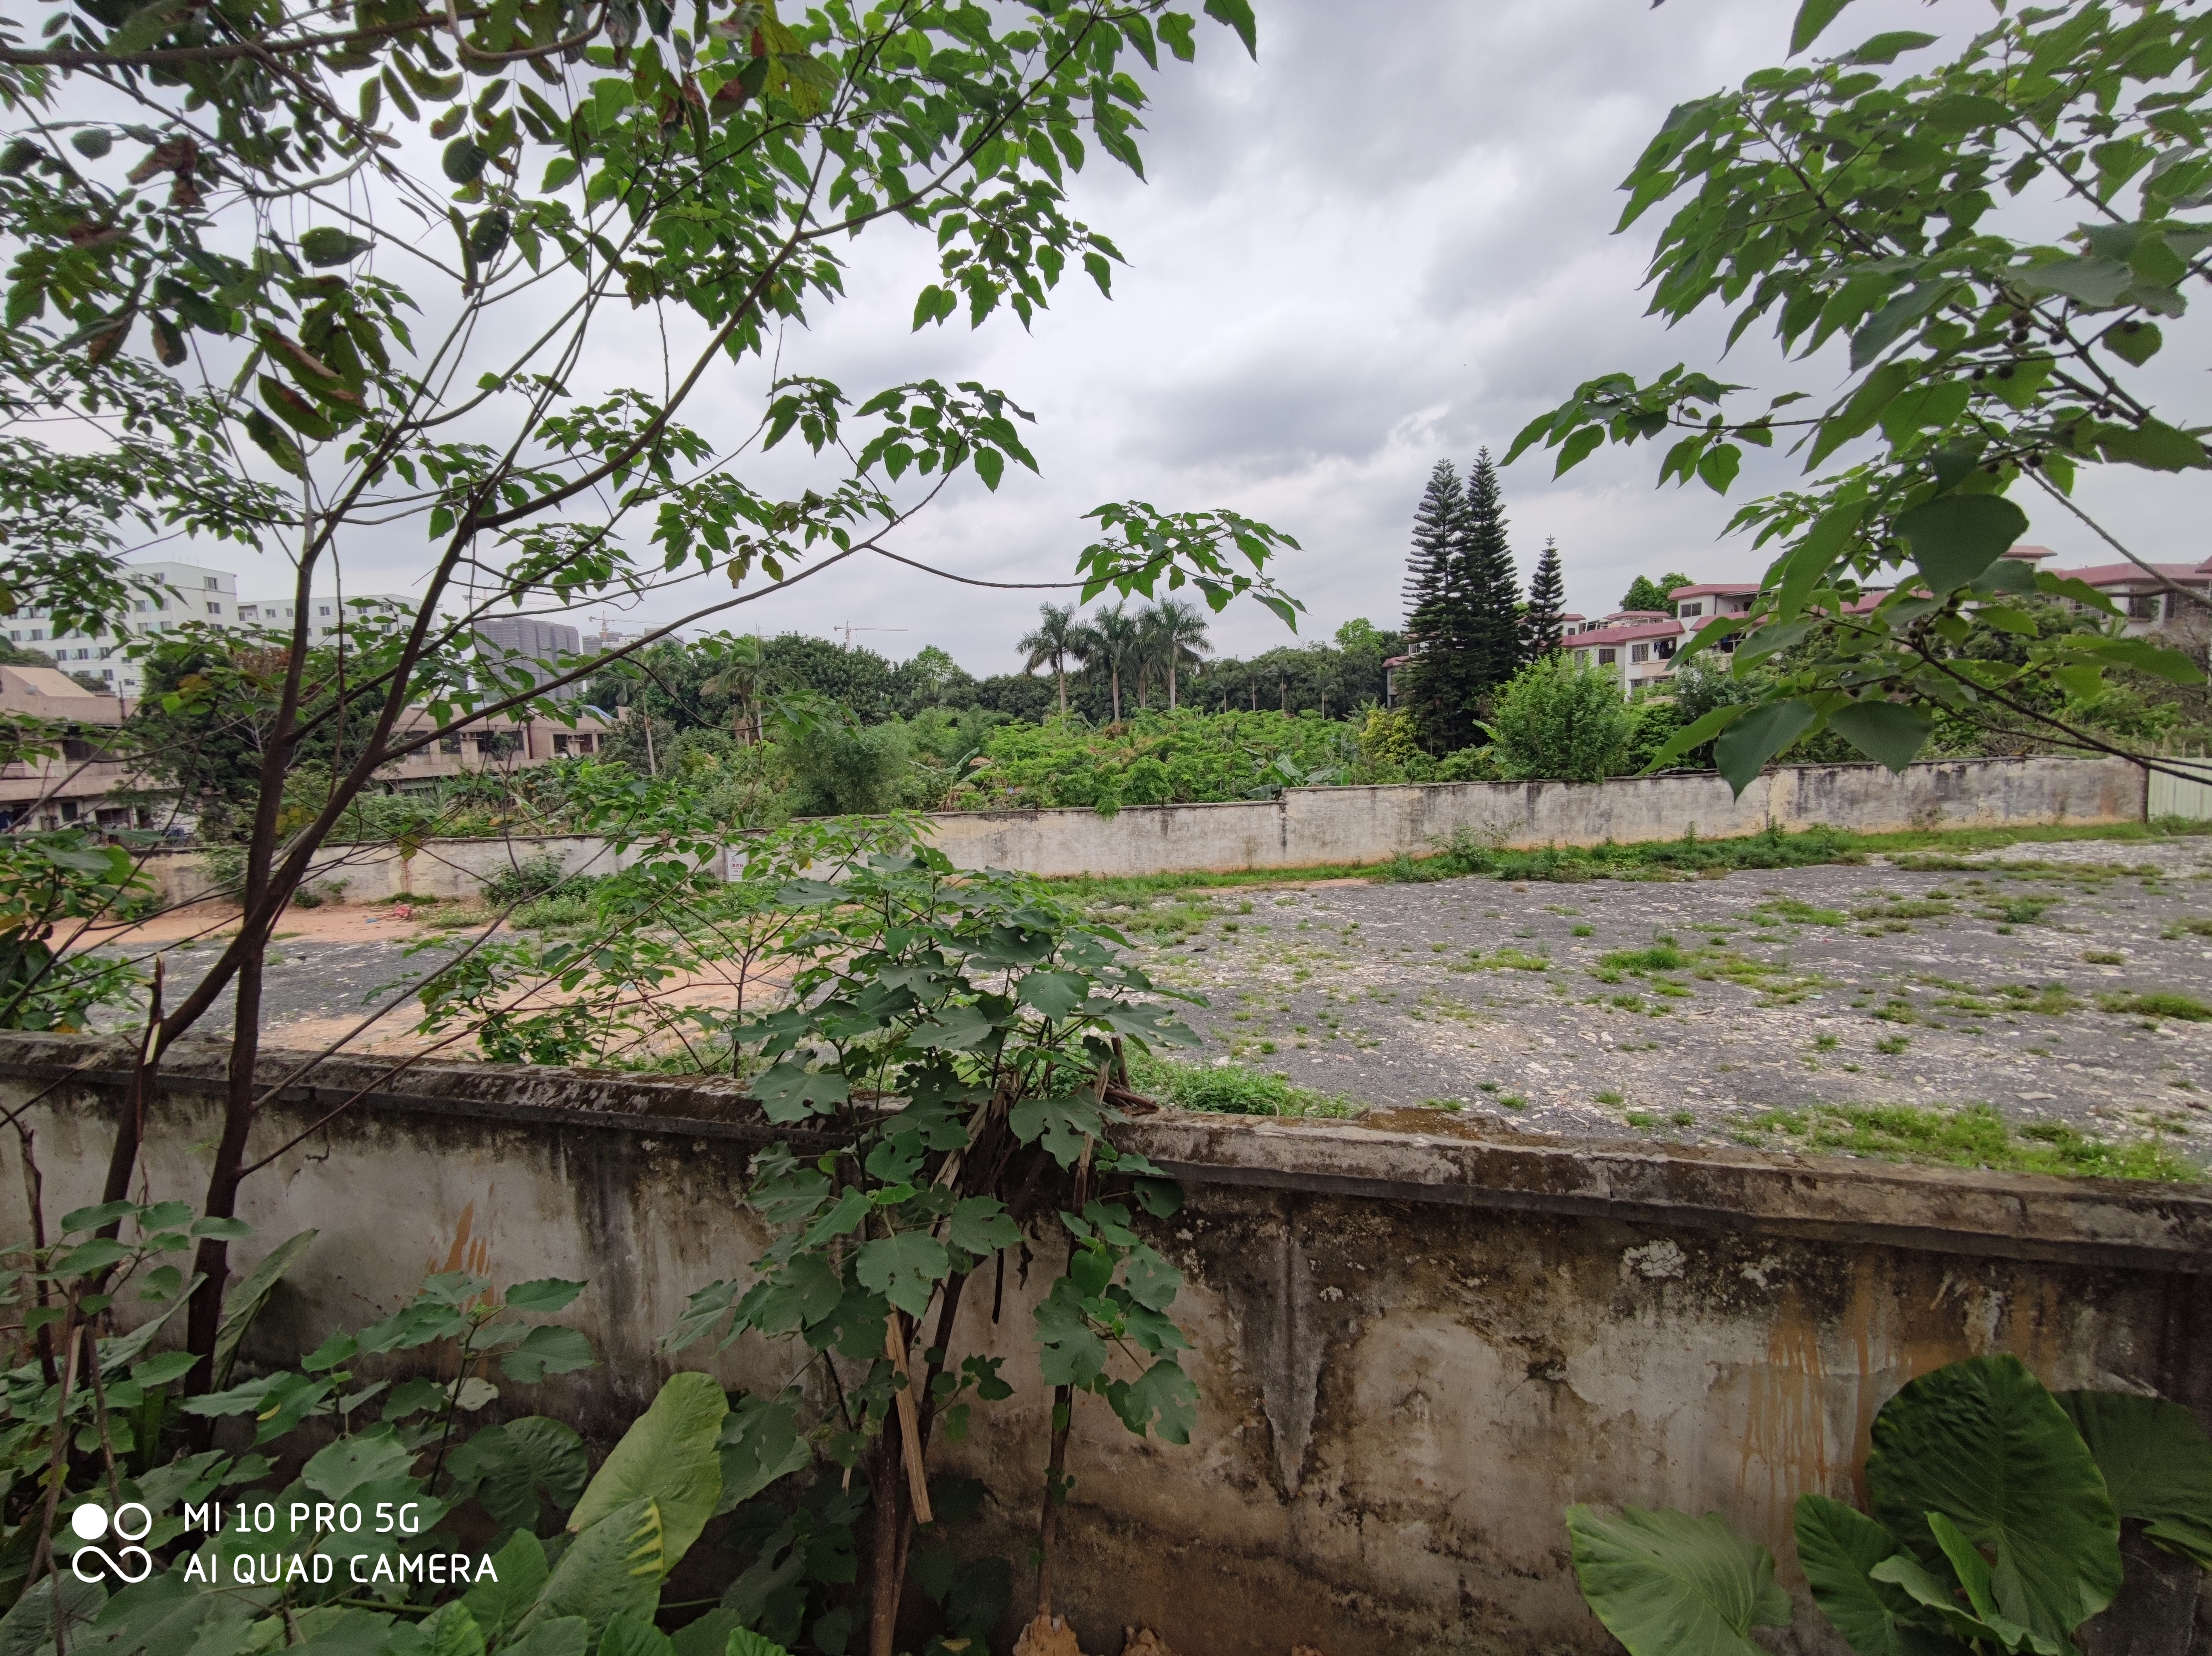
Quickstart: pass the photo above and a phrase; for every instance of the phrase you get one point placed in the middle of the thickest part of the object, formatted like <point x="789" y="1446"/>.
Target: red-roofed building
<point x="1698" y="605"/>
<point x="1642" y="651"/>
<point x="2148" y="602"/>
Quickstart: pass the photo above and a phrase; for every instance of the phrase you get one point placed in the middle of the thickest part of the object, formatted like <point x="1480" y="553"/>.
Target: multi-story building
<point x="328" y="612"/>
<point x="172" y="594"/>
<point x="536" y="646"/>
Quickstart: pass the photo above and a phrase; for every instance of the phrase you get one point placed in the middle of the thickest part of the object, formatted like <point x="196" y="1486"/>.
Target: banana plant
<point x="1996" y="1528"/>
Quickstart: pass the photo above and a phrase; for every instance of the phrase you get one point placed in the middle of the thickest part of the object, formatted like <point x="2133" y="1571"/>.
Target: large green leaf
<point x="1666" y="1584"/>
<point x="1955" y="537"/>
<point x="244" y="1302"/>
<point x="519" y="1572"/>
<point x="2157" y="1463"/>
<point x="1837" y="1547"/>
<point x="1983" y="1443"/>
<point x="760" y="1443"/>
<point x="614" y="1568"/>
<point x="1887" y="732"/>
<point x="507" y="1465"/>
<point x="1742" y="751"/>
<point x="667" y="1455"/>
<point x="32" y="1620"/>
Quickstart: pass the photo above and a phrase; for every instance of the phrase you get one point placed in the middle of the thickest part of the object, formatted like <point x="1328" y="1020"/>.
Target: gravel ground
<point x="1865" y="984"/>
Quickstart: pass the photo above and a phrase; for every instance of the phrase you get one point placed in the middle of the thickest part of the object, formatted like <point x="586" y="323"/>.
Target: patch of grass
<point x="1642" y="1119"/>
<point x="2185" y="1008"/>
<point x="1904" y="908"/>
<point x="1585" y="931"/>
<point x="1893" y="1045"/>
<point x="2021" y="910"/>
<point x="1508" y="958"/>
<point x="1610" y="1097"/>
<point x="1974" y="1136"/>
<point x="2189" y="927"/>
<point x="562" y="912"/>
<point x="1510" y="1102"/>
<point x="1683" y="1118"/>
<point x="1660" y="957"/>
<point x="1231" y="1089"/>
<point x="1805" y="914"/>
<point x="1826" y="1042"/>
<point x="2104" y="957"/>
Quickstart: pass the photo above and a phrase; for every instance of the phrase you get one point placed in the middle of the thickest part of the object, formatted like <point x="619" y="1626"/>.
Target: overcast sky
<point x="1385" y="243"/>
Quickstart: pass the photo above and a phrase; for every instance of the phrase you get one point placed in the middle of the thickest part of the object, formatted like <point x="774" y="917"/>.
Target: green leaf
<point x="2153" y="445"/>
<point x="1742" y="751"/>
<point x="904" y="1269"/>
<point x="546" y="1350"/>
<point x="1981" y="1442"/>
<point x="615" y="1566"/>
<point x="520" y="1568"/>
<point x="1697" y="733"/>
<point x="1236" y="15"/>
<point x="2157" y="1463"/>
<point x="162" y="1370"/>
<point x="375" y="1456"/>
<point x="245" y="1301"/>
<point x="2134" y="342"/>
<point x="668" y="1456"/>
<point x="627" y="1636"/>
<point x="1666" y="1584"/>
<point x="1055" y="994"/>
<point x="464" y="162"/>
<point x="1161" y="1400"/>
<point x="790" y="1092"/>
<point x="953" y="1029"/>
<point x="557" y="1636"/>
<point x="508" y="1464"/>
<point x="981" y="1224"/>
<point x="1837" y="1546"/>
<point x="2095" y="282"/>
<point x="1886" y="48"/>
<point x="760" y="1443"/>
<point x="1813" y="16"/>
<point x="1885" y="732"/>
<point x="1813" y="558"/>
<point x="326" y="246"/>
<point x="1955" y="537"/>
<point x="544" y="1296"/>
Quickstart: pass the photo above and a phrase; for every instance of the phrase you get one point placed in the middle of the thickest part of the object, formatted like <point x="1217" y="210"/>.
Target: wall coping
<point x="1395" y="1156"/>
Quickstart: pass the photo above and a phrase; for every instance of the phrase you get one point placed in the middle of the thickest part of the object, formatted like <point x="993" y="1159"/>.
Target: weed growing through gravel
<point x="1231" y="1089"/>
<point x="2185" y="1008"/>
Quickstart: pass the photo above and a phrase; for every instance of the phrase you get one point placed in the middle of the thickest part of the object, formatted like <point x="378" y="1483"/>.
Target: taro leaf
<point x="243" y="1304"/>
<point x="1954" y="538"/>
<point x="1885" y="732"/>
<point x="981" y="1224"/>
<point x="614" y="1567"/>
<point x="520" y="1571"/>
<point x="760" y="1443"/>
<point x="1837" y="1547"/>
<point x="790" y="1092"/>
<point x="370" y="1456"/>
<point x="1742" y="751"/>
<point x="1055" y="994"/>
<point x="558" y="1635"/>
<point x="449" y="1630"/>
<point x="743" y="1641"/>
<point x="2157" y="1463"/>
<point x="509" y="1463"/>
<point x="707" y="1635"/>
<point x="1938" y="1595"/>
<point x="546" y="1350"/>
<point x="904" y="1269"/>
<point x="668" y="1455"/>
<point x="1666" y="1584"/>
<point x="1162" y="1391"/>
<point x="1983" y="1443"/>
<point x="30" y="1624"/>
<point x="167" y="1616"/>
<point x="626" y="1635"/>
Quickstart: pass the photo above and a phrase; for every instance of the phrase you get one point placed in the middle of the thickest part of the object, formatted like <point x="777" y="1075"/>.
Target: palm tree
<point x="1056" y="641"/>
<point x="1112" y="640"/>
<point x="1175" y="636"/>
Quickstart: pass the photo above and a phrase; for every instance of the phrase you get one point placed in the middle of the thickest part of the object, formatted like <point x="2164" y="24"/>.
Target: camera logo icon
<point x="92" y="1523"/>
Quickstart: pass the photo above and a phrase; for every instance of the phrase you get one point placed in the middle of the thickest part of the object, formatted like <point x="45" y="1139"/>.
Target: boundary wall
<point x="1308" y="827"/>
<point x="1414" y="1342"/>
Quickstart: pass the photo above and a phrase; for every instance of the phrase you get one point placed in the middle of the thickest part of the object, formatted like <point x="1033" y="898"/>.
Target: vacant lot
<point x="2057" y="983"/>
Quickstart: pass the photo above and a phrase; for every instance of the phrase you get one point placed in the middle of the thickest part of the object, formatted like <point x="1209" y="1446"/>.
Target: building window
<point x="37" y="633"/>
<point x="141" y="607"/>
<point x="1666" y="649"/>
<point x="449" y="744"/>
<point x="2142" y="606"/>
<point x="1690" y="609"/>
<point x="213" y="608"/>
<point x="325" y="609"/>
<point x="1639" y="652"/>
<point x="1607" y="658"/>
<point x="108" y="674"/>
<point x="214" y="582"/>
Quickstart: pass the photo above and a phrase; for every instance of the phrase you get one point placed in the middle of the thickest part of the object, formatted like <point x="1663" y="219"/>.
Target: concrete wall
<point x="1414" y="1343"/>
<point x="1308" y="827"/>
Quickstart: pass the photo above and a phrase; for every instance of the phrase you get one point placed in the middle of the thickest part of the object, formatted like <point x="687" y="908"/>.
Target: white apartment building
<point x="177" y="593"/>
<point x="326" y="611"/>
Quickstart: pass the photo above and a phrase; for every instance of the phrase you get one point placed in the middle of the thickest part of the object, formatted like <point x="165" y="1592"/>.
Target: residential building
<point x="2148" y="602"/>
<point x="538" y="646"/>
<point x="1638" y="645"/>
<point x="328" y="612"/>
<point x="173" y="593"/>
<point x="73" y="786"/>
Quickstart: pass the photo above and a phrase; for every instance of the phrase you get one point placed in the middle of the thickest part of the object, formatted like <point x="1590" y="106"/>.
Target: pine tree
<point x="1547" y="601"/>
<point x="1490" y="586"/>
<point x="1436" y="684"/>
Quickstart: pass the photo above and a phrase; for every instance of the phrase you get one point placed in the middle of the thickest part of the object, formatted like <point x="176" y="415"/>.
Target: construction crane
<point x="849" y="630"/>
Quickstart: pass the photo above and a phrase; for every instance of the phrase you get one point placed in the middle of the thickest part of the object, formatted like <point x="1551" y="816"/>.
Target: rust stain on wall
<point x="469" y="1253"/>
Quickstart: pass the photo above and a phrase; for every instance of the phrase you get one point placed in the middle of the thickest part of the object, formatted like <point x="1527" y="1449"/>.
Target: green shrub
<point x="1230" y="1089"/>
<point x="533" y="876"/>
<point x="1558" y="722"/>
<point x="841" y="771"/>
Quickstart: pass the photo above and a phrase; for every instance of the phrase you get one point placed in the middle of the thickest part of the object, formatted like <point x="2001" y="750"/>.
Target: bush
<point x="1557" y="721"/>
<point x="838" y="770"/>
<point x="1156" y="759"/>
<point x="533" y="876"/>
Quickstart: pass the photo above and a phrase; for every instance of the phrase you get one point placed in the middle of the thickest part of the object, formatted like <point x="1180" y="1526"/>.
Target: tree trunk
<point x="892" y="1514"/>
<point x="1063" y="1416"/>
<point x="1062" y="676"/>
<point x="1171" y="687"/>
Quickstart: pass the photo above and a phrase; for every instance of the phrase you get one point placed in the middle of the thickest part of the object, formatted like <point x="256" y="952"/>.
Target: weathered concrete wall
<point x="1307" y="826"/>
<point x="1414" y="1344"/>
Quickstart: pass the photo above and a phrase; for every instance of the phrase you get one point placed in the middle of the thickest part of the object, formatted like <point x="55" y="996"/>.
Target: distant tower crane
<point x="849" y="630"/>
